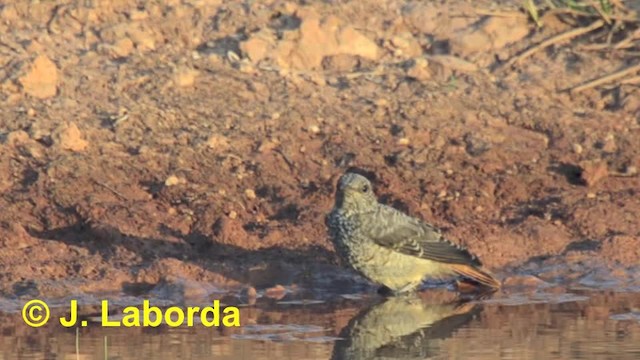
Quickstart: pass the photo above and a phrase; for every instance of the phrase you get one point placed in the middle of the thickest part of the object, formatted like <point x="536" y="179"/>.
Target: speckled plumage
<point x="391" y="248"/>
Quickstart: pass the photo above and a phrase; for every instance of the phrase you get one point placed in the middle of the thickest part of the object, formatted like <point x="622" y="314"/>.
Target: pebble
<point x="173" y="180"/>
<point x="69" y="137"/>
<point x="250" y="194"/>
<point x="577" y="148"/>
<point x="41" y="81"/>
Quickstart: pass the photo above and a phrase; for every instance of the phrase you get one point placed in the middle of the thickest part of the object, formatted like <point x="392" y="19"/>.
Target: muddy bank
<point x="202" y="141"/>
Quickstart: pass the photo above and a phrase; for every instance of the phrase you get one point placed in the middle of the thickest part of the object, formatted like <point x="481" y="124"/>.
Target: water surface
<point x="535" y="325"/>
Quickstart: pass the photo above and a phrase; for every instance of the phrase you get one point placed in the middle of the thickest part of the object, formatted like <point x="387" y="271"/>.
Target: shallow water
<point x="536" y="325"/>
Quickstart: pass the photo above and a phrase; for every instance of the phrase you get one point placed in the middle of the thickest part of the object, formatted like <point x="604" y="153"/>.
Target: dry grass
<point x="606" y="25"/>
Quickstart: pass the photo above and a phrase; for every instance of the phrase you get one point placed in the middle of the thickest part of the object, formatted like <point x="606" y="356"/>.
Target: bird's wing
<point x="392" y="229"/>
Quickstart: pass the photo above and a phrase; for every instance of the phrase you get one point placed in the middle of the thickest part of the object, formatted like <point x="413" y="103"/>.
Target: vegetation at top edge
<point x="600" y="8"/>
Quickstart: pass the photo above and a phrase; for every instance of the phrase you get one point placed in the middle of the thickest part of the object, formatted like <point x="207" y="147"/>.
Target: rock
<point x="174" y="180"/>
<point x="69" y="137"/>
<point x="351" y="41"/>
<point x="184" y="77"/>
<point x="41" y="81"/>
<point x="490" y="34"/>
<point x="419" y="70"/>
<point x="250" y="194"/>
<point x="258" y="46"/>
<point x="403" y="141"/>
<point x="306" y="47"/>
<point x="122" y="48"/>
<point x="593" y="171"/>
<point x="406" y="45"/>
<point x="577" y="148"/>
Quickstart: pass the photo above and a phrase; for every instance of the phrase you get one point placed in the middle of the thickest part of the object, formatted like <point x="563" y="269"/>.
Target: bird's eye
<point x="365" y="188"/>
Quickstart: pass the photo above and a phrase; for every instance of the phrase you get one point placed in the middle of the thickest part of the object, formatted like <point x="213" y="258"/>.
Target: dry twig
<point x="554" y="40"/>
<point x="607" y="78"/>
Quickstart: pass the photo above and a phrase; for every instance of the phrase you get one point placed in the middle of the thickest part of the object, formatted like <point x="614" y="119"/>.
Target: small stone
<point x="594" y="171"/>
<point x="591" y="195"/>
<point x="577" y="148"/>
<point x="232" y="214"/>
<point x="403" y="141"/>
<point x="258" y="46"/>
<point x="407" y="45"/>
<point x="250" y="194"/>
<point x="420" y="70"/>
<point x="185" y="77"/>
<point x="174" y="180"/>
<point x="314" y="129"/>
<point x="247" y="67"/>
<point x="69" y="137"/>
<point x="41" y="81"/>
<point x="122" y="48"/>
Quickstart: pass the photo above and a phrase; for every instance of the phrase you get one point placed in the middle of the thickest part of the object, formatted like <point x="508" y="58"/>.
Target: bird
<point x="392" y="248"/>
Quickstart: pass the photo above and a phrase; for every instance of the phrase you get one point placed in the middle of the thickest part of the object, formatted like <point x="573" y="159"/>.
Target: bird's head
<point x="354" y="194"/>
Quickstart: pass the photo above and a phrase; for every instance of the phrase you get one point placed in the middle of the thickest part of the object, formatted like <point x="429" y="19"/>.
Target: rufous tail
<point x="482" y="277"/>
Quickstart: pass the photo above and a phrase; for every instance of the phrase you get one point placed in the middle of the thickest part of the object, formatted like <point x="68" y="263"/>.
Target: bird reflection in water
<point x="404" y="327"/>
